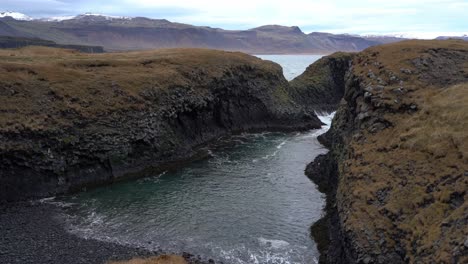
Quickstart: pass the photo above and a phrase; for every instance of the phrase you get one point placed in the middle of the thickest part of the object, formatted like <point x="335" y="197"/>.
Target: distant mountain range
<point x="135" y="33"/>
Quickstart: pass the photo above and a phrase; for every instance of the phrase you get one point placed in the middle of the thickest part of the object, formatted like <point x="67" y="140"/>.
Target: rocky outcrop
<point x="321" y="86"/>
<point x="396" y="173"/>
<point x="70" y="120"/>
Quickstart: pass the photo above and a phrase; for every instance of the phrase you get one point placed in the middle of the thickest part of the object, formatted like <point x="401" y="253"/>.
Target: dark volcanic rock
<point x="321" y="86"/>
<point x="36" y="233"/>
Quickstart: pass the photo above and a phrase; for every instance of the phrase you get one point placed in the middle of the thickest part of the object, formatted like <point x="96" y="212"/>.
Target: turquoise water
<point x="249" y="202"/>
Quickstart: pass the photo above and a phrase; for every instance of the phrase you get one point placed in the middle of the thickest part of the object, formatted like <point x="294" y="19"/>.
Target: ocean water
<point x="249" y="202"/>
<point x="293" y="65"/>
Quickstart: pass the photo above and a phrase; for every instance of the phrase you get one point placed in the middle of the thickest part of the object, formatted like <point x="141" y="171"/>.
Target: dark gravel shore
<point x="34" y="233"/>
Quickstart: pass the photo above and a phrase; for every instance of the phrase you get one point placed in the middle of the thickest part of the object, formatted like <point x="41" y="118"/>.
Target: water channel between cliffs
<point x="249" y="202"/>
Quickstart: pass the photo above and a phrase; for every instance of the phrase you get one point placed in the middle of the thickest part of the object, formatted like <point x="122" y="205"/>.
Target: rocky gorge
<point x="73" y="120"/>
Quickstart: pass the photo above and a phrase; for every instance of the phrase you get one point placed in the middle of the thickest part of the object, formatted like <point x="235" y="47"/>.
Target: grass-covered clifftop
<point x="398" y="163"/>
<point x="69" y="119"/>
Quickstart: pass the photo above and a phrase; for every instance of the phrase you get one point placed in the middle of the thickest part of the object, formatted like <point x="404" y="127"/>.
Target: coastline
<point x="35" y="232"/>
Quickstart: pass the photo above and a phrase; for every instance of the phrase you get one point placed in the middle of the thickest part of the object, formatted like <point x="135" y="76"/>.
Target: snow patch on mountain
<point x="107" y="17"/>
<point x="56" y="19"/>
<point x="384" y="36"/>
<point x="16" y="15"/>
<point x="21" y="16"/>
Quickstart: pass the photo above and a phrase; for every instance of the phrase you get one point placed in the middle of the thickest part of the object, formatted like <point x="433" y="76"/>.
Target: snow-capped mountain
<point x="16" y="15"/>
<point x="21" y="16"/>
<point x="94" y="16"/>
<point x="56" y="19"/>
<point x="107" y="17"/>
<point x="384" y="36"/>
<point x="127" y="33"/>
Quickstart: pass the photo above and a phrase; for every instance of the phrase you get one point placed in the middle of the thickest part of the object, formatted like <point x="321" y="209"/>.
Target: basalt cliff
<point x="321" y="87"/>
<point x="396" y="176"/>
<point x="71" y="120"/>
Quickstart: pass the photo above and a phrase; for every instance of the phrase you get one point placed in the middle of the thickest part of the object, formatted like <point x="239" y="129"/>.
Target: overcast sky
<point x="421" y="18"/>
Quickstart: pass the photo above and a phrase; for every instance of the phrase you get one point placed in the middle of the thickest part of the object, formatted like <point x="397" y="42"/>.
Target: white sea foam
<point x="220" y="160"/>
<point x="52" y="201"/>
<point x="270" y="155"/>
<point x="273" y="243"/>
<point x="281" y="144"/>
<point x="95" y="218"/>
<point x="210" y="153"/>
<point x="151" y="179"/>
<point x="46" y="200"/>
<point x="257" y="257"/>
<point x="326" y="118"/>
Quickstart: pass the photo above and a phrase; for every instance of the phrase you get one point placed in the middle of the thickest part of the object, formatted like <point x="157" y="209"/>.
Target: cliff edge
<point x="397" y="171"/>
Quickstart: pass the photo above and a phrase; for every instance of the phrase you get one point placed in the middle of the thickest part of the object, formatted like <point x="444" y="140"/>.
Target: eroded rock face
<point x="321" y="86"/>
<point x="71" y="120"/>
<point x="397" y="165"/>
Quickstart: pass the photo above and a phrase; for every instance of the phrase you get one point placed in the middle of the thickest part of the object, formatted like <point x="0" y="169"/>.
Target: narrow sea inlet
<point x="249" y="202"/>
<point x="293" y="65"/>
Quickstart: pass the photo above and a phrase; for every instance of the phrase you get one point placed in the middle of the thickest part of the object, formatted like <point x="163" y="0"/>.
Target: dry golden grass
<point x="37" y="84"/>
<point x="163" y="259"/>
<point x="442" y="126"/>
<point x="399" y="54"/>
